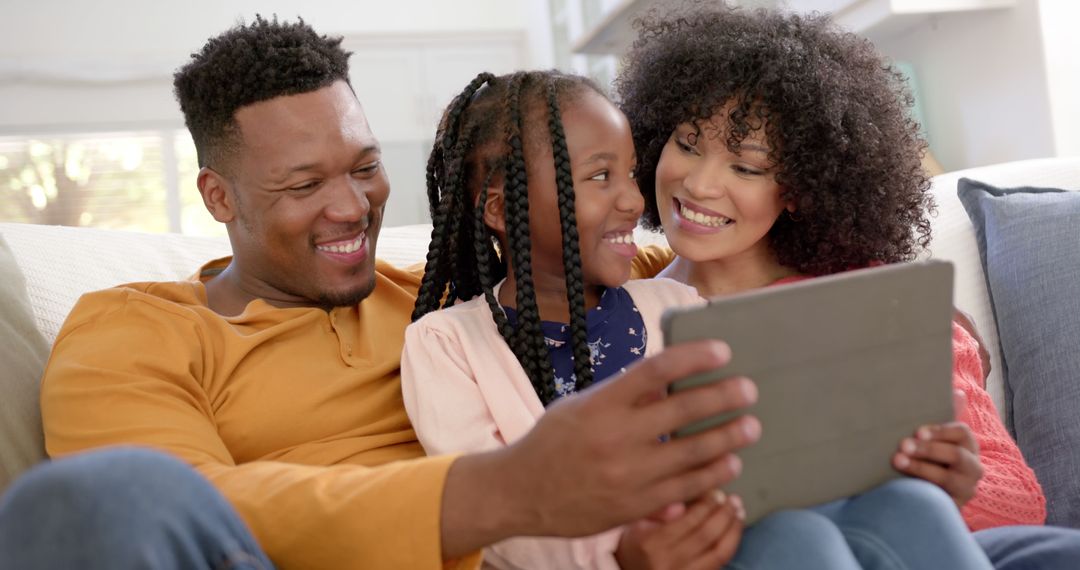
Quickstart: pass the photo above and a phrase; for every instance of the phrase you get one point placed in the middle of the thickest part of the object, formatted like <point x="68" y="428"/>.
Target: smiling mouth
<point x="701" y="218"/>
<point x="621" y="238"/>
<point x="621" y="242"/>
<point x="344" y="246"/>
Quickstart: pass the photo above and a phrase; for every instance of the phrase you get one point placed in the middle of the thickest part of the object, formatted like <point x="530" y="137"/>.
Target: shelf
<point x="874" y="19"/>
<point x="880" y="19"/>
<point x="615" y="33"/>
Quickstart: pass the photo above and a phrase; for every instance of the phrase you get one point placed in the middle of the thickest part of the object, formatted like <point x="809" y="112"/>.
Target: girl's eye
<point x="747" y="171"/>
<point x="633" y="174"/>
<point x="600" y="176"/>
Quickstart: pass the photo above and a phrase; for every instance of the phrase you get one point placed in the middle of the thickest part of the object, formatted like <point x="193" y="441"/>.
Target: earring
<point x="792" y="217"/>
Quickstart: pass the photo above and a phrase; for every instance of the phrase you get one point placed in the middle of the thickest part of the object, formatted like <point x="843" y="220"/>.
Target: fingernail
<point x="719" y="496"/>
<point x="924" y="433"/>
<point x="907" y="446"/>
<point x="734" y="464"/>
<point x="749" y="390"/>
<point x="722" y="350"/>
<point x="740" y="509"/>
<point x="902" y="462"/>
<point x="751" y="428"/>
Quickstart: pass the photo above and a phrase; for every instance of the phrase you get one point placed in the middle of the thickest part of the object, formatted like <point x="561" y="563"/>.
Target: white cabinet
<point x="875" y="19"/>
<point x="404" y="83"/>
<point x="880" y="19"/>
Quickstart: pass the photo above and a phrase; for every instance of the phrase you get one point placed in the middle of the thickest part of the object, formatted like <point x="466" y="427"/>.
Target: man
<point x="275" y="373"/>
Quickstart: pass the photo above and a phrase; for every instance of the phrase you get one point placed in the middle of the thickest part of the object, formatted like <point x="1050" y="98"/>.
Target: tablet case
<point x="846" y="366"/>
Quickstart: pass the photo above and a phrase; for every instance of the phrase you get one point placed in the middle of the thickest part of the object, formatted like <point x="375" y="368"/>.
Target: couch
<point x="44" y="269"/>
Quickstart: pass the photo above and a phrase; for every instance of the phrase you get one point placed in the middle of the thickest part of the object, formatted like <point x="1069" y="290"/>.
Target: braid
<point x="482" y="136"/>
<point x="446" y="196"/>
<point x="434" y="159"/>
<point x="575" y="289"/>
<point x="529" y="344"/>
<point x="435" y="274"/>
<point x="455" y="165"/>
<point x="485" y="254"/>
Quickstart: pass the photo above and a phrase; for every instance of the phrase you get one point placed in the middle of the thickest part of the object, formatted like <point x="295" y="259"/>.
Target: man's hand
<point x="703" y="536"/>
<point x="595" y="461"/>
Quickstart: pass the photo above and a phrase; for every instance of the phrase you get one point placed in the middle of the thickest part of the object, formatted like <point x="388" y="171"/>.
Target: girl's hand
<point x="946" y="455"/>
<point x="703" y="535"/>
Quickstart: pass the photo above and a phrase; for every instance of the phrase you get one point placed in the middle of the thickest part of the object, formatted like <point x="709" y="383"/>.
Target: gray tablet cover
<point x="846" y="366"/>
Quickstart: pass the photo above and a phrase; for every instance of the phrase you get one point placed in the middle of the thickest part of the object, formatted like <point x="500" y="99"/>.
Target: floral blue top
<point x="616" y="336"/>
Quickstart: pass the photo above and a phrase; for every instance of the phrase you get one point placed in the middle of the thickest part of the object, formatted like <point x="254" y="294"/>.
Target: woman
<point x="774" y="148"/>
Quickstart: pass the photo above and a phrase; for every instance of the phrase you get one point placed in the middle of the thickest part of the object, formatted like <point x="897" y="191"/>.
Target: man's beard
<point x="346" y="298"/>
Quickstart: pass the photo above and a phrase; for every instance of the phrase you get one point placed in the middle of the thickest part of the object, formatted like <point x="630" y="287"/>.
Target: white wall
<point x="1060" y="19"/>
<point x="108" y="63"/>
<point x="985" y="86"/>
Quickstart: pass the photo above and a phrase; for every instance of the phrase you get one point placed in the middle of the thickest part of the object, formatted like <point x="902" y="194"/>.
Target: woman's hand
<point x="703" y="535"/>
<point x="946" y="455"/>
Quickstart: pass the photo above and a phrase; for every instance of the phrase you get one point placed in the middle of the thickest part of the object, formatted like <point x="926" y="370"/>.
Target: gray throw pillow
<point x="1029" y="240"/>
<point x="22" y="361"/>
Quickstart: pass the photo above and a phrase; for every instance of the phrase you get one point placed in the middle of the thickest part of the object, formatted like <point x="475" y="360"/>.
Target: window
<point x="142" y="181"/>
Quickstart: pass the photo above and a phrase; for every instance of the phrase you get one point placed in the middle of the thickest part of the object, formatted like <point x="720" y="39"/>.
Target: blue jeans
<point x="122" y="508"/>
<point x="903" y="524"/>
<point x="130" y="508"/>
<point x="1031" y="547"/>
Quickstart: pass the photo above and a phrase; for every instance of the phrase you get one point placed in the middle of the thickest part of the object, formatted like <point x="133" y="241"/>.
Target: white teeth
<point x="621" y="239"/>
<point x="347" y="248"/>
<point x="699" y="218"/>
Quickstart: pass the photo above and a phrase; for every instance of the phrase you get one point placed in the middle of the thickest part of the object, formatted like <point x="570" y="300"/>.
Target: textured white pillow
<point x="61" y="263"/>
<point x="22" y="354"/>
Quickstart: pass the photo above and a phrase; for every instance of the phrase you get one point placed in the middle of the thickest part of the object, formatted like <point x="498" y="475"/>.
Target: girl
<point x="775" y="148"/>
<point x="534" y="202"/>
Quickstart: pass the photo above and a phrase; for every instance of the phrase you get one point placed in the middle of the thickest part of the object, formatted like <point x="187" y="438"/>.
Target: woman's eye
<point x="686" y="147"/>
<point x="600" y="176"/>
<point x="747" y="171"/>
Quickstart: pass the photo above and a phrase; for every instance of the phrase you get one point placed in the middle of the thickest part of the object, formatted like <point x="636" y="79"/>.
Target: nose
<point x="347" y="201"/>
<point x="705" y="180"/>
<point x="630" y="200"/>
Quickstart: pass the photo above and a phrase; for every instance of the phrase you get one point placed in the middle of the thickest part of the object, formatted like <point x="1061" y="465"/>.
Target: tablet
<point x="846" y="366"/>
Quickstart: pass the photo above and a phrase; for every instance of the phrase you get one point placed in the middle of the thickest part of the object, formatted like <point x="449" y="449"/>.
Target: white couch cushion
<point x="62" y="263"/>
<point x="22" y="359"/>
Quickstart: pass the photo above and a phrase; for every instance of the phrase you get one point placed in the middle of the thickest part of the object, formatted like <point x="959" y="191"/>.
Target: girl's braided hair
<point x="484" y="137"/>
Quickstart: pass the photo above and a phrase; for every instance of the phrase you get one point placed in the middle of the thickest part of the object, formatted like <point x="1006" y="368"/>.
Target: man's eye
<point x="305" y="187"/>
<point x="369" y="169"/>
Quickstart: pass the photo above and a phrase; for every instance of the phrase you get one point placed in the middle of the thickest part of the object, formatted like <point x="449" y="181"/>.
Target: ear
<point x="494" y="210"/>
<point x="216" y="195"/>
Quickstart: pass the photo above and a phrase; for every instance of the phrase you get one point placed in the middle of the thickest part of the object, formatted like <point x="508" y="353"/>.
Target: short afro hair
<point x="248" y="64"/>
<point x="836" y="114"/>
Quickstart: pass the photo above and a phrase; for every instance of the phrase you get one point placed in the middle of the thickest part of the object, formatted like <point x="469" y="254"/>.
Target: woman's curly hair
<point x="836" y="115"/>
